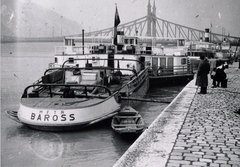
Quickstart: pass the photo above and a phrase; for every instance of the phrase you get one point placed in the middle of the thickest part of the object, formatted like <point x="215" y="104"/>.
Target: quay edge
<point x="193" y="130"/>
<point x="153" y="147"/>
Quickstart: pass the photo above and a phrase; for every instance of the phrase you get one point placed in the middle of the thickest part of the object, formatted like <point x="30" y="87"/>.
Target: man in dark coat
<point x="219" y="76"/>
<point x="202" y="75"/>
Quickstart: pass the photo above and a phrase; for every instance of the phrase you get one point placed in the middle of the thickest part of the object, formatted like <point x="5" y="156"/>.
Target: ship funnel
<point x="207" y="35"/>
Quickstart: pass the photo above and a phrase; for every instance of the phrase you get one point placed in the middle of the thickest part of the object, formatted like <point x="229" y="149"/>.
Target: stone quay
<point x="193" y="130"/>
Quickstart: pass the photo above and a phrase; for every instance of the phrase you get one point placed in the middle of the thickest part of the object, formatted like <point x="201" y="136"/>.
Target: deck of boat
<point x="60" y="103"/>
<point x="56" y="100"/>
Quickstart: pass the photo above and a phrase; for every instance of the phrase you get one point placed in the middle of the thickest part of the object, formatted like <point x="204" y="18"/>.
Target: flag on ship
<point x="116" y="23"/>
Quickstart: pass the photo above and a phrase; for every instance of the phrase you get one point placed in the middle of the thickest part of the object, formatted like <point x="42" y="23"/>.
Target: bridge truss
<point x="163" y="29"/>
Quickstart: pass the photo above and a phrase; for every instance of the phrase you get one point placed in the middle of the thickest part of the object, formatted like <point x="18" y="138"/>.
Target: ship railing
<point x="59" y="49"/>
<point x="175" y="70"/>
<point x="50" y="90"/>
<point x="87" y="59"/>
<point x="139" y="76"/>
<point x="37" y="88"/>
<point x="79" y="49"/>
<point x="54" y="75"/>
<point x="62" y="50"/>
<point x="137" y="80"/>
<point x="203" y="49"/>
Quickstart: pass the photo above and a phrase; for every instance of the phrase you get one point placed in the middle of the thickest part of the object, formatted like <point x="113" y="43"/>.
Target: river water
<point x="97" y="145"/>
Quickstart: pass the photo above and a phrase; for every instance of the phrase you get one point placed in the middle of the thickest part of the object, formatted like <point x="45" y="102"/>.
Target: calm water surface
<point x="97" y="145"/>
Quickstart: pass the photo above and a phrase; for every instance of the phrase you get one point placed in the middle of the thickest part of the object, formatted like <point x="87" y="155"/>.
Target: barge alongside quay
<point x="85" y="88"/>
<point x="166" y="65"/>
<point x="69" y="98"/>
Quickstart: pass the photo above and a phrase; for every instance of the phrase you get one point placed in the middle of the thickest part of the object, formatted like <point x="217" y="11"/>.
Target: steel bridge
<point x="146" y="27"/>
<point x="163" y="29"/>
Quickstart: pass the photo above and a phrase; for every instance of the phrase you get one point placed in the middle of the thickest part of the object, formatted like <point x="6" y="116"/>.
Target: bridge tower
<point x="151" y="20"/>
<point x="149" y="16"/>
<point x="154" y="20"/>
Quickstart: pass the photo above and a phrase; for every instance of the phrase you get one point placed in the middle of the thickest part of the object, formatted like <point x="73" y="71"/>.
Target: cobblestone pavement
<point x="194" y="130"/>
<point x="210" y="134"/>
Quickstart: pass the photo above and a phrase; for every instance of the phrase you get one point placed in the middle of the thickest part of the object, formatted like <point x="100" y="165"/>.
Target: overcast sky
<point x="224" y="15"/>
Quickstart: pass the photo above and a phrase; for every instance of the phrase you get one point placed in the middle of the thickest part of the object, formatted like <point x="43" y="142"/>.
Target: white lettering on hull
<point x="49" y="118"/>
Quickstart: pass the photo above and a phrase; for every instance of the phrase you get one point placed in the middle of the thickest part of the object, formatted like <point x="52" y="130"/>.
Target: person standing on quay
<point x="202" y="75"/>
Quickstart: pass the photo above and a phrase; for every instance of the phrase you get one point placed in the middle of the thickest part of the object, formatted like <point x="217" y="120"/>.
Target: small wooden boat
<point x="127" y="121"/>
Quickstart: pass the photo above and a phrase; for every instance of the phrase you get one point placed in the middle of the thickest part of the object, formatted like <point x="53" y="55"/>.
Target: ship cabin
<point x="100" y="52"/>
<point x="200" y="48"/>
<point x="223" y="53"/>
<point x="169" y="59"/>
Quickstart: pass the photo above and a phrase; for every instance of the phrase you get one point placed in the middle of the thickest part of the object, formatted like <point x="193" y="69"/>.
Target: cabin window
<point x="56" y="60"/>
<point x="71" y="60"/>
<point x="67" y="42"/>
<point x="131" y="41"/>
<point x="101" y="47"/>
<point x="183" y="61"/>
<point x="126" y="41"/>
<point x="148" y="48"/>
<point x="181" y="42"/>
<point x="119" y="47"/>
